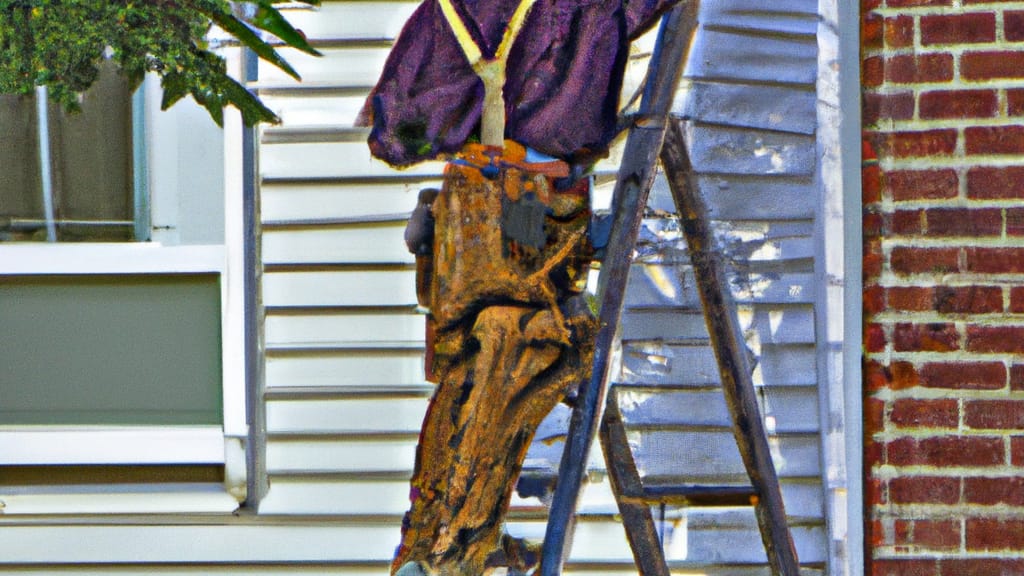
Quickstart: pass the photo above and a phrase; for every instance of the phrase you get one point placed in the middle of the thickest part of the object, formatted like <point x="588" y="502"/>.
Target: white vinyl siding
<point x="344" y="377"/>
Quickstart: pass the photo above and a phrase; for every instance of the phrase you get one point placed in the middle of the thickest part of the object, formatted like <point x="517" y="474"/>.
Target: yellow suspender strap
<point x="491" y="71"/>
<point x="469" y="47"/>
<point x="515" y="24"/>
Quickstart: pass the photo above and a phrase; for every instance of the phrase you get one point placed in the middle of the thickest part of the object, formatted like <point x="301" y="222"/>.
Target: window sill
<point x="118" y="492"/>
<point x="198" y="498"/>
<point x="115" y="445"/>
<point x="109" y="258"/>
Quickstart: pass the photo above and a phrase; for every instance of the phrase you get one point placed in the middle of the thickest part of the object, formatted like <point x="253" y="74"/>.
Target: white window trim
<point x="88" y="445"/>
<point x="118" y="445"/>
<point x="225" y="444"/>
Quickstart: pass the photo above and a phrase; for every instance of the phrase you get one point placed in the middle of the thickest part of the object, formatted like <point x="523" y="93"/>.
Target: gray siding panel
<point x="753" y="55"/>
<point x="764" y="107"/>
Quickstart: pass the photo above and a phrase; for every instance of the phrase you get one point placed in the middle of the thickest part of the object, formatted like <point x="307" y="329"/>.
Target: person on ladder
<point x="520" y="97"/>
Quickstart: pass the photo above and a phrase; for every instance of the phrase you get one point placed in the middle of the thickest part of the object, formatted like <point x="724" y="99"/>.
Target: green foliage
<point x="60" y="44"/>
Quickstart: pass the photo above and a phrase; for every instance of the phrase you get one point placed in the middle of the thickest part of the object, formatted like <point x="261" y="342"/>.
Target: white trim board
<point x="70" y="446"/>
<point x="110" y="258"/>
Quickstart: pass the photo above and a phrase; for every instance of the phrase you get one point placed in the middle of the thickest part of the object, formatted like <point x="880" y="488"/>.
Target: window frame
<point x="224" y="445"/>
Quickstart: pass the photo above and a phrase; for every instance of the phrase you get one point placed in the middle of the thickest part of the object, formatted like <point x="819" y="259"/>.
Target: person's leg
<point x="510" y="340"/>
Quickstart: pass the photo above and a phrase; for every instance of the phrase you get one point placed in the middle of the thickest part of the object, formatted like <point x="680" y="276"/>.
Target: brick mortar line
<point x="960" y="9"/>
<point x="988" y="511"/>
<point x="999" y="85"/>
<point x="965" y="242"/>
<point x="932" y="239"/>
<point x="925" y="163"/>
<point x="972" y="554"/>
<point x="926" y="241"/>
<point x="935" y="433"/>
<point x="893" y="472"/>
<point x="940" y="433"/>
<point x="908" y="282"/>
<point x="919" y="393"/>
<point x="889" y="279"/>
<point x="917" y="359"/>
<point x="918" y="280"/>
<point x="933" y="124"/>
<point x="961" y="356"/>
<point x="959" y="320"/>
<point x="956" y="50"/>
<point x="888" y="206"/>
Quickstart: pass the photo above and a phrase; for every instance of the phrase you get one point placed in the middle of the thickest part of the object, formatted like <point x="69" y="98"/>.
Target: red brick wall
<point x="943" y="112"/>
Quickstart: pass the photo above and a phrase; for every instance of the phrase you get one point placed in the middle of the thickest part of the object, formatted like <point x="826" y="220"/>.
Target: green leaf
<point x="215" y="106"/>
<point x="135" y="77"/>
<point x="175" y="88"/>
<point x="239" y="30"/>
<point x="269" y="19"/>
<point x="253" y="110"/>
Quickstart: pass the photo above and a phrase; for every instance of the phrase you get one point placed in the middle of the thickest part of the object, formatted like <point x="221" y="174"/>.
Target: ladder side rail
<point x="628" y="488"/>
<point x="629" y="199"/>
<point x="730" y="352"/>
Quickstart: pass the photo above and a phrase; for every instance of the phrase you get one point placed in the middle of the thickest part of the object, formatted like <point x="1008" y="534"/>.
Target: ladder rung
<point x="690" y="495"/>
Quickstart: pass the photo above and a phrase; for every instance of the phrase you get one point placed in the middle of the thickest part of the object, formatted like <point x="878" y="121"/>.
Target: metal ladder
<point x="655" y="135"/>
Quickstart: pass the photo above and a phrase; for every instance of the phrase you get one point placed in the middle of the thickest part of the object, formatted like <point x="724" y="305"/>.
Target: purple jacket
<point x="563" y="78"/>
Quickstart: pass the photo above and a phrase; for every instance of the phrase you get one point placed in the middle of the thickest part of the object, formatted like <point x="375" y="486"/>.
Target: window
<point x="85" y="191"/>
<point x="122" y="335"/>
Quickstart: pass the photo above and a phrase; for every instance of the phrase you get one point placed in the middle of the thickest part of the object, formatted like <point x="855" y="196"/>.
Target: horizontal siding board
<point x="333" y="160"/>
<point x="111" y="544"/>
<point x="767" y="23"/>
<point x="600" y="542"/>
<point x="788" y="408"/>
<point x="746" y="198"/>
<point x="340" y="288"/>
<point x="718" y="54"/>
<point x="786" y="365"/>
<point x="354" y="497"/>
<point x="297" y="203"/>
<point x="352" y="20"/>
<point x="298" y="110"/>
<point x="402" y="415"/>
<point x="350" y="496"/>
<point x="763" y="107"/>
<point x="357" y="369"/>
<point x="791" y="408"/>
<point x="724" y="150"/>
<point x="774" y="288"/>
<point x="771" y="325"/>
<point x="656" y="285"/>
<point x="717" y="544"/>
<point x="806" y="8"/>
<point x="677" y="326"/>
<point x="790" y="17"/>
<point x="331" y="455"/>
<point x="784" y="325"/>
<point x="338" y="66"/>
<point x="711" y="454"/>
<point x="697" y="545"/>
<point x="396" y="288"/>
<point x="327" y="330"/>
<point x="366" y="244"/>
<point x="657" y="363"/>
<point x="354" y="542"/>
<point x="751" y="242"/>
